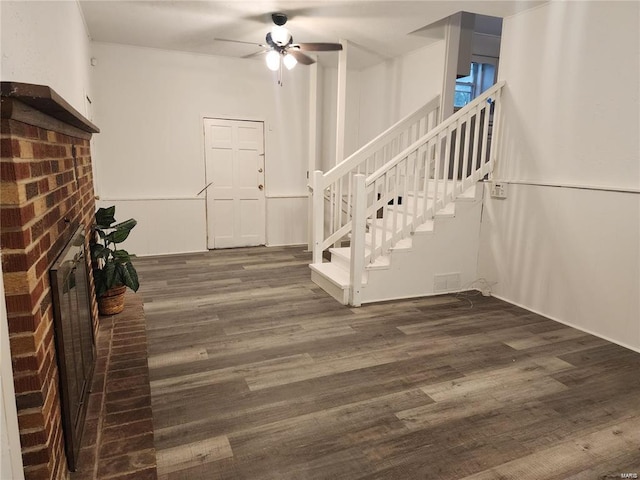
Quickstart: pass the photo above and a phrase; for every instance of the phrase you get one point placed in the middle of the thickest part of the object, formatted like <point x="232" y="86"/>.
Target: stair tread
<point x="345" y="251"/>
<point x="380" y="223"/>
<point x="448" y="211"/>
<point x="426" y="227"/>
<point x="381" y="262"/>
<point x="469" y="193"/>
<point x="336" y="274"/>
<point x="379" y="236"/>
<point x="403" y="244"/>
<point x="408" y="206"/>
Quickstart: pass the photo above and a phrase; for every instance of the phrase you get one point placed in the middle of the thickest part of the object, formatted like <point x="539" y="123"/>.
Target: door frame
<point x="203" y="142"/>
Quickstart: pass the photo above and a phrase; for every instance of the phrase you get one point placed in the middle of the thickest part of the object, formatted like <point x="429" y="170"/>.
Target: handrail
<point x="434" y="132"/>
<point x="384" y="191"/>
<point x="352" y="160"/>
<point x="483" y="97"/>
<point x="337" y="182"/>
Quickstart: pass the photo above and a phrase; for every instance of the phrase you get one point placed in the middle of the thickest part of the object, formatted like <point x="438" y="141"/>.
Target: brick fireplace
<point x="46" y="192"/>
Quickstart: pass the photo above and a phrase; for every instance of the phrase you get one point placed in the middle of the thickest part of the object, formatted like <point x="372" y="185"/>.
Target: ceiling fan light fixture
<point x="289" y="61"/>
<point x="273" y="60"/>
<point x="280" y="35"/>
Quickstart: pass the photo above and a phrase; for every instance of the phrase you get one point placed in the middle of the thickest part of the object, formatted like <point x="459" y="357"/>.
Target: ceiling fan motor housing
<point x="279" y="37"/>
<point x="279" y="40"/>
<point x="279" y="18"/>
<point x="278" y="46"/>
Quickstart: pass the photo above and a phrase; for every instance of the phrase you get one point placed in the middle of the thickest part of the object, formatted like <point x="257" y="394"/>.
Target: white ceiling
<point x="378" y="29"/>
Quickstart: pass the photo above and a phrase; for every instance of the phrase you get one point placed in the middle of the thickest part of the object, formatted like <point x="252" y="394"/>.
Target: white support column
<point x="358" y="229"/>
<point x="452" y="44"/>
<point x="318" y="215"/>
<point x="342" y="101"/>
<point x="458" y="37"/>
<point x="313" y="145"/>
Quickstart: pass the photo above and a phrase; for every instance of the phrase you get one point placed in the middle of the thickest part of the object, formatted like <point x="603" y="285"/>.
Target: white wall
<point x="393" y="89"/>
<point x="329" y="99"/>
<point x="572" y="72"/>
<point x="379" y="96"/>
<point x="46" y="43"/>
<point x="149" y="156"/>
<point x="485" y="45"/>
<point x="43" y="43"/>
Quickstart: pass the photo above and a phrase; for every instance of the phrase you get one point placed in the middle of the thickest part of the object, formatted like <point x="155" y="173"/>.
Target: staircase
<point x="408" y="204"/>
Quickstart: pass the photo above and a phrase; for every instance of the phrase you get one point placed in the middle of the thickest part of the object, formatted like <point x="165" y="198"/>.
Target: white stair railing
<point x="418" y="181"/>
<point x="333" y="190"/>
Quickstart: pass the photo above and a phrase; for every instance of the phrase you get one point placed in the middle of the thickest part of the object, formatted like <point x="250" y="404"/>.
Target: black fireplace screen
<point x="74" y="340"/>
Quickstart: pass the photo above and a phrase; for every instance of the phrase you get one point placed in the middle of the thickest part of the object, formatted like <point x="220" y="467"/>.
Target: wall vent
<point x="446" y="282"/>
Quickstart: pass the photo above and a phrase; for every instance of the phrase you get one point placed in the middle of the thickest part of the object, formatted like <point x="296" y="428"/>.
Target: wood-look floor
<point x="257" y="374"/>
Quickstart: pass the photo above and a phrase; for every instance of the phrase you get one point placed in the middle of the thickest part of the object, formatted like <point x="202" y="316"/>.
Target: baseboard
<point x="419" y="295"/>
<point x="186" y="252"/>
<point x="164" y="254"/>
<point x="287" y="245"/>
<point x="568" y="324"/>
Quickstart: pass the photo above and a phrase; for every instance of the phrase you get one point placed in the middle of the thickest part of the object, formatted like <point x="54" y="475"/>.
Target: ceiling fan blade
<point x="255" y="54"/>
<point x="301" y="57"/>
<point x="318" y="47"/>
<point x="238" y="41"/>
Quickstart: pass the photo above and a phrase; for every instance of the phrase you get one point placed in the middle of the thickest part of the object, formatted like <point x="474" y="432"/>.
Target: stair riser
<point x="442" y="212"/>
<point x="340" y="294"/>
<point x="340" y="261"/>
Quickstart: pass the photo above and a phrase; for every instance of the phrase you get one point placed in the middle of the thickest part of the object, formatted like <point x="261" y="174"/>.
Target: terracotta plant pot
<point x="112" y="301"/>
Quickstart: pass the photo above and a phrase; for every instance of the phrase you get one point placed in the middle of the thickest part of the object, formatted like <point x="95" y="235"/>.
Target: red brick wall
<point x="44" y="195"/>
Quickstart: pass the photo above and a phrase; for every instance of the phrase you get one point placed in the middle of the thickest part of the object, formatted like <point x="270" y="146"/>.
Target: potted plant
<point x="113" y="271"/>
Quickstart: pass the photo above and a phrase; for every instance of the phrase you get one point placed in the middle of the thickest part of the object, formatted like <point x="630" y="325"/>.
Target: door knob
<point x="259" y="170"/>
<point x="260" y="187"/>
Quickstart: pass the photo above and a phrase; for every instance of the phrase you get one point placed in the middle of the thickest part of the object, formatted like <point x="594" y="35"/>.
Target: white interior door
<point x="235" y="166"/>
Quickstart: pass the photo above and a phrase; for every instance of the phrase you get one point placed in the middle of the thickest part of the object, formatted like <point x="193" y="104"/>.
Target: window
<point x="481" y="77"/>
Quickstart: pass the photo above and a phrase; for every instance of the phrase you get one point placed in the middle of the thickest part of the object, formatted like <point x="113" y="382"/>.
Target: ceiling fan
<point x="280" y="49"/>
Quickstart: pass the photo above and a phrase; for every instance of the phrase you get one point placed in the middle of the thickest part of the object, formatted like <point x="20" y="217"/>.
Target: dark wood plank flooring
<point x="257" y="374"/>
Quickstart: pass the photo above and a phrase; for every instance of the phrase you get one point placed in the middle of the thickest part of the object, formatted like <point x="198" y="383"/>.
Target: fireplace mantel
<point x="40" y="98"/>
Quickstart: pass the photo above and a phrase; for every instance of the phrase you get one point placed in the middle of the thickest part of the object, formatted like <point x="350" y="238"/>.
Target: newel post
<point x="495" y="132"/>
<point x="358" y="229"/>
<point x="317" y="228"/>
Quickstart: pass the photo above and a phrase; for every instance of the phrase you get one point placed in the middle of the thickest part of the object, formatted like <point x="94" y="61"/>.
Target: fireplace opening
<point x="75" y="344"/>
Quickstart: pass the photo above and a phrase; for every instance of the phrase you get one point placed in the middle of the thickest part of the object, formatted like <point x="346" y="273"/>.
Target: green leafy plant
<point x="112" y="266"/>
